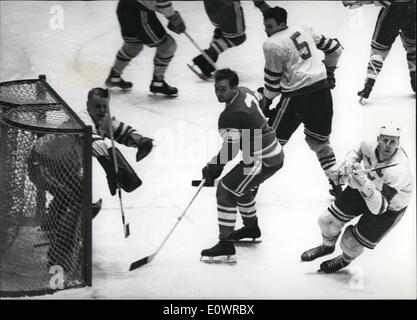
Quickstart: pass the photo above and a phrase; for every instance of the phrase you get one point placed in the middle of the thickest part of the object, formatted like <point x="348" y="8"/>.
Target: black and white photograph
<point x="207" y="150"/>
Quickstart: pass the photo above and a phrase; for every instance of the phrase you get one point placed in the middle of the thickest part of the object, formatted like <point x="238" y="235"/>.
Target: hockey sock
<point x="160" y="66"/>
<point x="410" y="47"/>
<point x="124" y="56"/>
<point x="227" y="219"/>
<point x="248" y="213"/>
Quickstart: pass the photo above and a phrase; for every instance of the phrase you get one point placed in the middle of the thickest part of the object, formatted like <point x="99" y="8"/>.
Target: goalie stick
<point x="148" y="259"/>
<point x="116" y="170"/>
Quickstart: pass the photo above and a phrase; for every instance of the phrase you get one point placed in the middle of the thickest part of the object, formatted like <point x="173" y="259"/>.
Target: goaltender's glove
<point x="330" y="77"/>
<point x="176" y="23"/>
<point x="145" y="146"/>
<point x="211" y="172"/>
<point x="112" y="177"/>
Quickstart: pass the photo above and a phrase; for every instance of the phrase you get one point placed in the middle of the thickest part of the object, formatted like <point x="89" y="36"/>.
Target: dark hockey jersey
<point x="243" y="126"/>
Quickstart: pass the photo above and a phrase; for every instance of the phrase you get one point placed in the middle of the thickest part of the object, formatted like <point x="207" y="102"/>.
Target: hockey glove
<point x="176" y="23"/>
<point x="264" y="102"/>
<point x="211" y="172"/>
<point x="352" y="4"/>
<point x="330" y="77"/>
<point x="145" y="146"/>
<point x="359" y="180"/>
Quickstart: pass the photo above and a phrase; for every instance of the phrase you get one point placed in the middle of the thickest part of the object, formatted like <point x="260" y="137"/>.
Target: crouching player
<point x="379" y="196"/>
<point x="126" y="178"/>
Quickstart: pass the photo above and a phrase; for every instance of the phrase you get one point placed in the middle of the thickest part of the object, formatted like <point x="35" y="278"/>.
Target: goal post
<point x="45" y="191"/>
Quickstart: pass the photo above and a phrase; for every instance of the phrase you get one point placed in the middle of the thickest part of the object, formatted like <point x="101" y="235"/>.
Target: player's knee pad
<point x="225" y="197"/>
<point x="238" y="39"/>
<point x="132" y="49"/>
<point x="167" y="48"/>
<point x="350" y="246"/>
<point x="330" y="226"/>
<point x="379" y="55"/>
<point x="316" y="145"/>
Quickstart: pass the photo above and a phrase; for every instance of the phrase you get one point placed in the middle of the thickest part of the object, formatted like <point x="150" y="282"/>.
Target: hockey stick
<point x="196" y="183"/>
<point x="116" y="169"/>
<point x="148" y="259"/>
<point x="201" y="51"/>
<point x="364" y="171"/>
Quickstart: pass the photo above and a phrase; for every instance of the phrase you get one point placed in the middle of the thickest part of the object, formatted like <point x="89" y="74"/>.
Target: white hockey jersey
<point x="394" y="183"/>
<point x="293" y="61"/>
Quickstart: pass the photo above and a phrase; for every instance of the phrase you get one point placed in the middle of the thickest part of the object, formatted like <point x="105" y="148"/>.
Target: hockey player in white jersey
<point x="379" y="190"/>
<point x="294" y="69"/>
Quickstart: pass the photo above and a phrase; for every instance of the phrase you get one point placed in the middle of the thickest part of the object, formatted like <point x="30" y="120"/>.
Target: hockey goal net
<point x="45" y="191"/>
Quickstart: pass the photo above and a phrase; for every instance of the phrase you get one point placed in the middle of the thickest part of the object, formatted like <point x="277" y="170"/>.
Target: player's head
<point x="226" y="84"/>
<point x="97" y="102"/>
<point x="275" y="19"/>
<point x="388" y="140"/>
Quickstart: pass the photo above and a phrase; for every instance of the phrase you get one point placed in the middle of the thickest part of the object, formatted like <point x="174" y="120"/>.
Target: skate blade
<point x="230" y="260"/>
<point x="116" y="88"/>
<point x="200" y="75"/>
<point x="363" y="101"/>
<point x="162" y="95"/>
<point x="246" y="242"/>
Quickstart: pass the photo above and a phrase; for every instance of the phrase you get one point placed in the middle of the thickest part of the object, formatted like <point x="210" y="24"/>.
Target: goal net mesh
<point x="45" y="196"/>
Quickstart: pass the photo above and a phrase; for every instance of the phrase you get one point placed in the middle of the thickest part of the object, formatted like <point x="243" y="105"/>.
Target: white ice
<point x="78" y="57"/>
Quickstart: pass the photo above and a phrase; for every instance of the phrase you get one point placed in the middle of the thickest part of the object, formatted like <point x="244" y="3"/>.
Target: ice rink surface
<point x="78" y="58"/>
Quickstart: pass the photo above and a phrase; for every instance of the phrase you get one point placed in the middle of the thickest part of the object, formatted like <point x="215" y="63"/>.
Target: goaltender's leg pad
<point x="127" y="177"/>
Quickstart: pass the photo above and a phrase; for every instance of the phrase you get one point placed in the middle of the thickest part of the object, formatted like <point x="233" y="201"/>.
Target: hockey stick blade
<point x="127" y="230"/>
<point x="141" y="262"/>
<point x="196" y="183"/>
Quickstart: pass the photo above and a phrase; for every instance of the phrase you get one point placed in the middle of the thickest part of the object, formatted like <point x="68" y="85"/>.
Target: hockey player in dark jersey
<point x="229" y="22"/>
<point x="379" y="196"/>
<point x="140" y="26"/>
<point x="395" y="18"/>
<point x="242" y="127"/>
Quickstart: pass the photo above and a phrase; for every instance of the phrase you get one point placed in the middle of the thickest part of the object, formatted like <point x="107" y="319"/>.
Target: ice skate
<point x="246" y="234"/>
<point x="223" y="252"/>
<point x="206" y="69"/>
<point x="160" y="87"/>
<point x="316" y="252"/>
<point x="333" y="265"/>
<point x="114" y="80"/>
<point x="96" y="207"/>
<point x="366" y="91"/>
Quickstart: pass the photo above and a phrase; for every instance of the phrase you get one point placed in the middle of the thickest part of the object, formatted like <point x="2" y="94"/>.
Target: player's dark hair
<point x="279" y="14"/>
<point x="227" y="74"/>
<point x="100" y="92"/>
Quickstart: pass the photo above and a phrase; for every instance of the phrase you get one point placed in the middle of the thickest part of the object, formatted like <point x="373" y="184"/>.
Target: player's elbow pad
<point x="376" y="203"/>
<point x="332" y="55"/>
